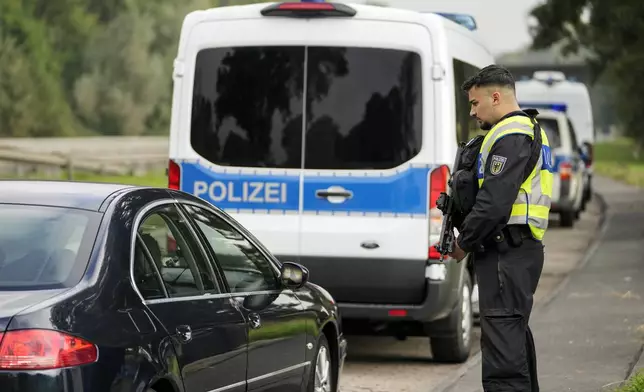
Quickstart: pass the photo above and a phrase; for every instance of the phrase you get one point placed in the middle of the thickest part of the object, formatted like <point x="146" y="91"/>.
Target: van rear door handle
<point x="334" y="192"/>
<point x="325" y="194"/>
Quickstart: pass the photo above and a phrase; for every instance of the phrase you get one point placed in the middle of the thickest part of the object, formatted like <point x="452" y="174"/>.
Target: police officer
<point x="504" y="230"/>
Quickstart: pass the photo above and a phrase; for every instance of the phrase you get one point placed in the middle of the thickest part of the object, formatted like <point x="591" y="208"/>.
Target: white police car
<point x="551" y="89"/>
<point x="568" y="184"/>
<point x="327" y="130"/>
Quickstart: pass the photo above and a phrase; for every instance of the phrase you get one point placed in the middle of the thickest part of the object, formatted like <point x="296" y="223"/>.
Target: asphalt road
<point x="388" y="365"/>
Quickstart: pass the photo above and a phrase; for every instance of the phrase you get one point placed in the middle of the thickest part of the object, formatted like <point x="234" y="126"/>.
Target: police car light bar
<point x="464" y="20"/>
<point x="557" y="107"/>
<point x="308" y="9"/>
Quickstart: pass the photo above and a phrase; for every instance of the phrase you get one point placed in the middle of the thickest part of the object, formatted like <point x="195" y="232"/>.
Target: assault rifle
<point x="445" y="203"/>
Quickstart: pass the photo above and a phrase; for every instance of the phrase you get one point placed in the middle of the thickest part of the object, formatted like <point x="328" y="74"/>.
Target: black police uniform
<point x="507" y="271"/>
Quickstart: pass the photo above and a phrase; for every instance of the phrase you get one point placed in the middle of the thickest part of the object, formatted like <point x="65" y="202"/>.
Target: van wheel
<point x="567" y="218"/>
<point x="456" y="349"/>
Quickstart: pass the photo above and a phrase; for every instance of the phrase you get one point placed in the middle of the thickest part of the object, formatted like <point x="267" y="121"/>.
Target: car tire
<point x="456" y="349"/>
<point x="322" y="351"/>
<point x="567" y="218"/>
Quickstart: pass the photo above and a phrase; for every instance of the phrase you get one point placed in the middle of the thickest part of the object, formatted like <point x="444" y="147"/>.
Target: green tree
<point x="612" y="31"/>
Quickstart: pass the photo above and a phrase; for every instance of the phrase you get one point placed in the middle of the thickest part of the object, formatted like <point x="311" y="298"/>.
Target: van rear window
<point x="551" y="127"/>
<point x="363" y="107"/>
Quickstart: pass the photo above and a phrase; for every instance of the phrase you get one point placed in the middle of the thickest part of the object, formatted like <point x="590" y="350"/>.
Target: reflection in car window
<point x="44" y="247"/>
<point x="175" y="253"/>
<point x="244" y="266"/>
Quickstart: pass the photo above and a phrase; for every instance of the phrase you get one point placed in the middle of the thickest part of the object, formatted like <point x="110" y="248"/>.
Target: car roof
<point x="69" y="194"/>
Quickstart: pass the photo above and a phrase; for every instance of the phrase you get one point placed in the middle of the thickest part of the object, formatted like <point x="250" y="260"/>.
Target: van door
<point x="245" y="145"/>
<point x="368" y="132"/>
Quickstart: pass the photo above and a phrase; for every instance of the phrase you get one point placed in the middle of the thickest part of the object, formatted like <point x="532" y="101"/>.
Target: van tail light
<point x="433" y="253"/>
<point x="174" y="175"/>
<point x="308" y="9"/>
<point x="437" y="184"/>
<point x="565" y="170"/>
<point x="34" y="349"/>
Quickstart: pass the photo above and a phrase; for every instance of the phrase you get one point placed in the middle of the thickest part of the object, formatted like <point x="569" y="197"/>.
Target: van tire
<point x="456" y="348"/>
<point x="567" y="218"/>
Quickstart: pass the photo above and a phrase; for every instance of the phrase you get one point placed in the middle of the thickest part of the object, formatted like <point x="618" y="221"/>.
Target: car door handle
<point x="184" y="332"/>
<point x="254" y="321"/>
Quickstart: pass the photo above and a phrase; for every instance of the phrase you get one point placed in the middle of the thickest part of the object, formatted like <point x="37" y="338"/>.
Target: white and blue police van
<point x="568" y="167"/>
<point x="553" y="90"/>
<point x="328" y="130"/>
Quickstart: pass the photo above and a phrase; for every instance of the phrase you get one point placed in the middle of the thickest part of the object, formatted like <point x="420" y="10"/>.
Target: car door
<point x="275" y="319"/>
<point x="209" y="333"/>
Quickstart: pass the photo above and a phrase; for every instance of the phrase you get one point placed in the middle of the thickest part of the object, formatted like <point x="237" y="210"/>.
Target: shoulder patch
<point x="497" y="164"/>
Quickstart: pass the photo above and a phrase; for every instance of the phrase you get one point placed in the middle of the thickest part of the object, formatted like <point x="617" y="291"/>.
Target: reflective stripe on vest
<point x="532" y="205"/>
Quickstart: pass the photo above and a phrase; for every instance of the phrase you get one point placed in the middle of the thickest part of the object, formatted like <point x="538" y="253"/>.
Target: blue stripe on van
<point x="405" y="192"/>
<point x="402" y="193"/>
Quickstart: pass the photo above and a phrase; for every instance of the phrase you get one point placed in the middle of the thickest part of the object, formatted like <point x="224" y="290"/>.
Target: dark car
<point x="120" y="288"/>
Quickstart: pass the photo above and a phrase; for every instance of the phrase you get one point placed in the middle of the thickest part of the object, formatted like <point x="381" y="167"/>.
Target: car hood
<point x="13" y="302"/>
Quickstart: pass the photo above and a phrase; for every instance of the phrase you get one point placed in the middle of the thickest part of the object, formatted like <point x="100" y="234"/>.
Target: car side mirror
<point x="293" y="275"/>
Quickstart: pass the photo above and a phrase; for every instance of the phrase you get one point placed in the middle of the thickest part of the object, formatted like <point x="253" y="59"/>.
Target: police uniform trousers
<point x="507" y="277"/>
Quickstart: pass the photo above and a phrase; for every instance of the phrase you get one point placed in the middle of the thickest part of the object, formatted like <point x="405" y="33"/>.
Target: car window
<point x="44" y="247"/>
<point x="175" y="252"/>
<point x="245" y="267"/>
<point x="146" y="276"/>
<point x="551" y="128"/>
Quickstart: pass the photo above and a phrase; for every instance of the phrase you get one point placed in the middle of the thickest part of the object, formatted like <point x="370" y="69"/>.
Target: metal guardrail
<point x="21" y="161"/>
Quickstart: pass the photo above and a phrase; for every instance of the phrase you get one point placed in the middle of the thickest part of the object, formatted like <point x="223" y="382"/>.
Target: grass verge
<point x="150" y="179"/>
<point x="616" y="159"/>
<point x="634" y="384"/>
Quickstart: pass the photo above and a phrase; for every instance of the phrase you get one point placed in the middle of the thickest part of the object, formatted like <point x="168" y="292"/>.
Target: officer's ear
<point x="496" y="97"/>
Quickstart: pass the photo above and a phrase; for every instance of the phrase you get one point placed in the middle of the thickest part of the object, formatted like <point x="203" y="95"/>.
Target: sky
<point x="503" y="24"/>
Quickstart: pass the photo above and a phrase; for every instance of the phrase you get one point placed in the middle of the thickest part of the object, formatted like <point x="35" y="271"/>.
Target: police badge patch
<point x="497" y="164"/>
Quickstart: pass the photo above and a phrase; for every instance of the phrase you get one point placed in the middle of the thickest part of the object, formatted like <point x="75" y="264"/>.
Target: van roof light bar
<point x="309" y="9"/>
<point x="557" y="107"/>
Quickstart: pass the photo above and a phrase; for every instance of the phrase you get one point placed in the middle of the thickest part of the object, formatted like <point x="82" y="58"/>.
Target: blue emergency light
<point x="557" y="107"/>
<point x="464" y="20"/>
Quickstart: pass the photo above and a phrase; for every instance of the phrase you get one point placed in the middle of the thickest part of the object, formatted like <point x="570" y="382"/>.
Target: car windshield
<point x="44" y="247"/>
<point x="551" y="127"/>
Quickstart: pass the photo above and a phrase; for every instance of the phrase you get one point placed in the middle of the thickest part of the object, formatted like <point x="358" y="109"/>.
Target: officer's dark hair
<point x="492" y="75"/>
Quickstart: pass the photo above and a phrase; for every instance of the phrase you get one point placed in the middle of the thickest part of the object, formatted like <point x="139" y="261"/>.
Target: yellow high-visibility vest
<point x="532" y="205"/>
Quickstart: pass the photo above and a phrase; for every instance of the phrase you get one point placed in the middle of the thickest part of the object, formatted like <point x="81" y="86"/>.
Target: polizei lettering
<point x="244" y="191"/>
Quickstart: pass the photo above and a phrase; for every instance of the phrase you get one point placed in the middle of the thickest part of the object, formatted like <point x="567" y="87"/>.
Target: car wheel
<point x="567" y="218"/>
<point x="321" y="379"/>
<point x="456" y="349"/>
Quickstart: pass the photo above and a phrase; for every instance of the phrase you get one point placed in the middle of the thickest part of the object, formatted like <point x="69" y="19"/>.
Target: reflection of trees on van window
<point x="248" y="104"/>
<point x="371" y="117"/>
<point x="363" y="107"/>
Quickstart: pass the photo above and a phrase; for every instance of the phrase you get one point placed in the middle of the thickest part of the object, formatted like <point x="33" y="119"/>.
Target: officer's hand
<point x="458" y="253"/>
